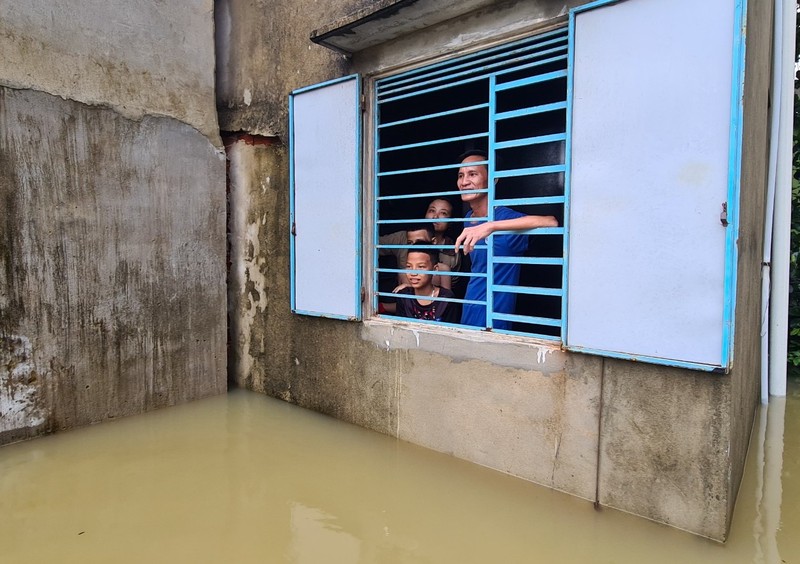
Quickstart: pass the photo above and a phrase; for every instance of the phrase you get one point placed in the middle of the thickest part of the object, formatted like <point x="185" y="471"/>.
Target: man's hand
<point x="470" y="236"/>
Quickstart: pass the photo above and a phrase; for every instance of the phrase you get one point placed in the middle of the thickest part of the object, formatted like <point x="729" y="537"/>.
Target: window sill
<point x="460" y="344"/>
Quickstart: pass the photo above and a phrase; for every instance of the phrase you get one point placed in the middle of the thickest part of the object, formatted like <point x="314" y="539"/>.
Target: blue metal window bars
<point x="510" y="101"/>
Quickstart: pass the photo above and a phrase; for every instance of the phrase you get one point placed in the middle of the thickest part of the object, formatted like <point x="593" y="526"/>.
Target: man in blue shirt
<point x="476" y="177"/>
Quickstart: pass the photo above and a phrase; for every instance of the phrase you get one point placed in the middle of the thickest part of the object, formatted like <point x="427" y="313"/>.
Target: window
<point x="510" y="101"/>
<point x="322" y="241"/>
<point x="625" y="126"/>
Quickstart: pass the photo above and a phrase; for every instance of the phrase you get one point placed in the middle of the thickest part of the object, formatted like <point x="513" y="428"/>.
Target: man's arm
<point x="472" y="235"/>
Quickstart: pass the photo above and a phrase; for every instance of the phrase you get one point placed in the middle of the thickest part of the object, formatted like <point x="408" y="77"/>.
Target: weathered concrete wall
<point x="263" y="53"/>
<point x="112" y="223"/>
<point x="139" y="58"/>
<point x="654" y="441"/>
<point x="664" y="444"/>
<point x="258" y="288"/>
<point x="755" y="149"/>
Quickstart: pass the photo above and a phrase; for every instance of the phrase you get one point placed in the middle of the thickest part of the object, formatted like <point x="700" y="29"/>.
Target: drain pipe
<point x="777" y="221"/>
<point x="781" y="241"/>
<point x="769" y="215"/>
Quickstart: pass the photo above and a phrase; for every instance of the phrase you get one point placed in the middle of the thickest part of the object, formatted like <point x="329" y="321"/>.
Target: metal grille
<point x="511" y="101"/>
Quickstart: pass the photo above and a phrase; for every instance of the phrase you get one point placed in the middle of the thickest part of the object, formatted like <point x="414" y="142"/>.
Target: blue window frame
<point x="324" y="200"/>
<point x="510" y="101"/>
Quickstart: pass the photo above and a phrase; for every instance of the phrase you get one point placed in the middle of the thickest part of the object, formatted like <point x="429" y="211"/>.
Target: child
<point x="414" y="234"/>
<point x="421" y="286"/>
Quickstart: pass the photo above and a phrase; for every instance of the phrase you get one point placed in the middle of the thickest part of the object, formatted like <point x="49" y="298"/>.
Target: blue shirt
<point x="505" y="274"/>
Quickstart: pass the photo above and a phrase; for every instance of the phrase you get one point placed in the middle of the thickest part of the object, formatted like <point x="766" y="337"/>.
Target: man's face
<point x="419" y="236"/>
<point x="439" y="209"/>
<point x="472" y="177"/>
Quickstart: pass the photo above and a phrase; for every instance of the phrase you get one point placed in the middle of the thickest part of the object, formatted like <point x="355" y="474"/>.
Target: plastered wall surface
<point x="112" y="212"/>
<point x="112" y="278"/>
<point x="258" y="289"/>
<point x="649" y="440"/>
<point x="140" y="58"/>
<point x="664" y="443"/>
<point x="755" y="149"/>
<point x="263" y="53"/>
<point x="539" y="424"/>
<point x="509" y="19"/>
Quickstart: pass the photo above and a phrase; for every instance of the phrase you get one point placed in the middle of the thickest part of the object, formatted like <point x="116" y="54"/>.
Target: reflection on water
<point x="245" y="478"/>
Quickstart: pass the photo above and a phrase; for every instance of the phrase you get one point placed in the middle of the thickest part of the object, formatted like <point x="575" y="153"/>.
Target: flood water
<point x="246" y="478"/>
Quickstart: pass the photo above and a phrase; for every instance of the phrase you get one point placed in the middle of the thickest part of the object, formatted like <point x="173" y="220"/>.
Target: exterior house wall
<point x="664" y="443"/>
<point x="745" y="377"/>
<point x="112" y="222"/>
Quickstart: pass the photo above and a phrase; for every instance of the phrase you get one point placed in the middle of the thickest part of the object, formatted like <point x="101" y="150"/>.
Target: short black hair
<point x="433" y="254"/>
<point x="427" y="227"/>
<point x="474" y="153"/>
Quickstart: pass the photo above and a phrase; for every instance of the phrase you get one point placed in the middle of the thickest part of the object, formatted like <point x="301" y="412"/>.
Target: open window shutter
<point x="651" y="168"/>
<point x="325" y="125"/>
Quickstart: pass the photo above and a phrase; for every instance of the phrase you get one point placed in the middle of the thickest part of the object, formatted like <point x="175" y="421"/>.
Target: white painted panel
<point x="650" y="138"/>
<point x="325" y="158"/>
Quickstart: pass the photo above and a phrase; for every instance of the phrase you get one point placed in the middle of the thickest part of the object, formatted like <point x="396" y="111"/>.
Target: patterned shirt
<point x="435" y="311"/>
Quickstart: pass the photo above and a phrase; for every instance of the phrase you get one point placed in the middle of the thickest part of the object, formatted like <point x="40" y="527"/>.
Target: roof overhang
<point x="385" y="20"/>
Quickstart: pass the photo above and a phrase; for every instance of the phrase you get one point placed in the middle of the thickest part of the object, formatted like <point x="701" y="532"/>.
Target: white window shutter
<point x="325" y="155"/>
<point x="651" y="168"/>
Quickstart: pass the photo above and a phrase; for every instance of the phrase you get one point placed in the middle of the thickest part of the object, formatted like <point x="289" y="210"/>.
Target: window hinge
<point x="363" y="103"/>
<point x="294" y="229"/>
<point x="363" y="295"/>
<point x="723" y="217"/>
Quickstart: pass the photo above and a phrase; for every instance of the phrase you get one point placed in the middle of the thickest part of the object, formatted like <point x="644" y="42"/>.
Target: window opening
<point x="509" y="101"/>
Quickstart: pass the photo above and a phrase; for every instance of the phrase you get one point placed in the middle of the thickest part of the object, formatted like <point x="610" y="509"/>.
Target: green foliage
<point x="794" y="267"/>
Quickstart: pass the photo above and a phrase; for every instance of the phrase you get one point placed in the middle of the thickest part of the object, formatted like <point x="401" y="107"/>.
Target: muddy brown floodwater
<point x="245" y="478"/>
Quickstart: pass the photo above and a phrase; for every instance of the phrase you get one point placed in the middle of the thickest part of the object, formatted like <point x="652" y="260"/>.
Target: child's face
<point x="419" y="261"/>
<point x="420" y="236"/>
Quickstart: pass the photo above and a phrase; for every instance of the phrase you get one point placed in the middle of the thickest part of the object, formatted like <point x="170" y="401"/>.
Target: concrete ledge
<point x="385" y="20"/>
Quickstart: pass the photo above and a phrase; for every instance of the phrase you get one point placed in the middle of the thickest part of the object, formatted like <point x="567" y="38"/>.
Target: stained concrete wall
<point x="745" y="377"/>
<point x="263" y="53"/>
<point x="112" y="223"/>
<point x="139" y="58"/>
<point x="664" y="443"/>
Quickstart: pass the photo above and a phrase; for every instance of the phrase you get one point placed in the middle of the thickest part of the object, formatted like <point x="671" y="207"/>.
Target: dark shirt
<point x="435" y="311"/>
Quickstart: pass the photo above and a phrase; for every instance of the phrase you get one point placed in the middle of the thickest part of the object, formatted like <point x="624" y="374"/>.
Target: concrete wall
<point x="112" y="223"/>
<point x="664" y="443"/>
<point x="263" y="53"/>
<point x="745" y="376"/>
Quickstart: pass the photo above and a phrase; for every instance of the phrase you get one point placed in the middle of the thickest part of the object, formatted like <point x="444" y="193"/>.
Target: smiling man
<point x="476" y="177"/>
